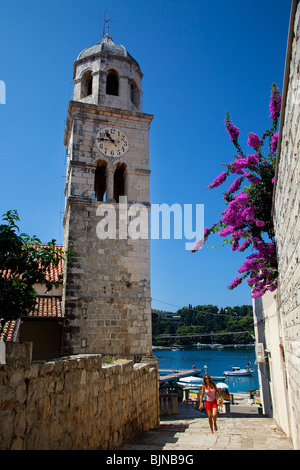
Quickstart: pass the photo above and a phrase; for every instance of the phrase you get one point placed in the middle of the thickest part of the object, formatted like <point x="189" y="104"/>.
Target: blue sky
<point x="199" y="59"/>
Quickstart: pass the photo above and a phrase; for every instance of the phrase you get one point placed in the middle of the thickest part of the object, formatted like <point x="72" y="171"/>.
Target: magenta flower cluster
<point x="232" y="130"/>
<point x="235" y="283"/>
<point x="247" y="219"/>
<point x="253" y="140"/>
<point x="263" y="273"/>
<point x="275" y="102"/>
<point x="273" y="146"/>
<point x="235" y="185"/>
<point x="218" y="181"/>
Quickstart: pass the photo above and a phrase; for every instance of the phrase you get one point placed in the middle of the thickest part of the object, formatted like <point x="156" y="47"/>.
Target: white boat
<point x="238" y="372"/>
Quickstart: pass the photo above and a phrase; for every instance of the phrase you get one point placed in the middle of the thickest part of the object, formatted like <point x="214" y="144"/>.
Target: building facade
<point x="106" y="297"/>
<point x="277" y="315"/>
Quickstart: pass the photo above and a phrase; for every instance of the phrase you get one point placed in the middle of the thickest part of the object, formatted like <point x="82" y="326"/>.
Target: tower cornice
<point x="99" y="55"/>
<point x="79" y="108"/>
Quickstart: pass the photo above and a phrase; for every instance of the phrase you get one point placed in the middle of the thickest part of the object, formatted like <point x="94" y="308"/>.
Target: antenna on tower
<point x="106" y="21"/>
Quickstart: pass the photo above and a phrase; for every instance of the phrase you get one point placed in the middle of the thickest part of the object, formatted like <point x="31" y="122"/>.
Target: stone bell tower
<point x="106" y="299"/>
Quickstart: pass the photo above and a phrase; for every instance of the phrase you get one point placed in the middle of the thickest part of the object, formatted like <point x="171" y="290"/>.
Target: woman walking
<point x="211" y="404"/>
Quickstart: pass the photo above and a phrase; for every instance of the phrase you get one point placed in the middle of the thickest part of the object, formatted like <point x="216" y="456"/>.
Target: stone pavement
<point x="241" y="429"/>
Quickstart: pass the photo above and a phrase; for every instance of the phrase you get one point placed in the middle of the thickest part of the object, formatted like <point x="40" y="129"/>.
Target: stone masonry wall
<point x="75" y="403"/>
<point x="107" y="300"/>
<point x="287" y="230"/>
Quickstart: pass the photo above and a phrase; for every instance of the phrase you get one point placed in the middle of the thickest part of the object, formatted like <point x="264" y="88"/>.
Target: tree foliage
<point x="202" y="323"/>
<point x="24" y="261"/>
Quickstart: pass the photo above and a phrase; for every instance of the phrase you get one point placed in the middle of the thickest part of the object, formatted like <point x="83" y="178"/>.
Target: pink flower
<point x="258" y="294"/>
<point x="253" y="140"/>
<point x="225" y="232"/>
<point x="235" y="283"/>
<point x="240" y="219"/>
<point x="273" y="146"/>
<point x="232" y="130"/>
<point x="260" y="223"/>
<point x="253" y="280"/>
<point x="252" y="160"/>
<point x="218" y="181"/>
<point x="238" y="165"/>
<point x="254" y="179"/>
<point x="242" y="198"/>
<point x="206" y="230"/>
<point x="275" y="102"/>
<point x="248" y="214"/>
<point x="235" y="186"/>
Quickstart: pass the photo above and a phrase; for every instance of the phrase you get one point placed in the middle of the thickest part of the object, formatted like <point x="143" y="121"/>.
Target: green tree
<point x="23" y="263"/>
<point x="206" y="320"/>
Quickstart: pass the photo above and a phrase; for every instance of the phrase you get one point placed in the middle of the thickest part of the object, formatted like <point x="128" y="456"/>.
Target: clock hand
<point x="108" y="135"/>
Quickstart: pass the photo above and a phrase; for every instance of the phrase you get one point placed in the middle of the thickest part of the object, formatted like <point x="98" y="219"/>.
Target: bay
<point x="216" y="359"/>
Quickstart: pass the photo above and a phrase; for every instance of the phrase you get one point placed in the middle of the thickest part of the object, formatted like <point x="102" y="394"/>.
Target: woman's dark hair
<point x="207" y="379"/>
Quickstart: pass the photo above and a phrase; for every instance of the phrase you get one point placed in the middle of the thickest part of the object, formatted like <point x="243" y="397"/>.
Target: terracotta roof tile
<point x="47" y="307"/>
<point x="8" y="329"/>
<point x="55" y="275"/>
<point x="56" y="272"/>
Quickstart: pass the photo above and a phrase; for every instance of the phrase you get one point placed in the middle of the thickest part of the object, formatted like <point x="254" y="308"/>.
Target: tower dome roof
<point x="107" y="46"/>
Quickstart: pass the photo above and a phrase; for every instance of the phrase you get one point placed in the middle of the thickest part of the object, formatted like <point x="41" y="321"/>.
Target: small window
<point x="112" y="83"/>
<point x="100" y="182"/>
<point x="119" y="181"/>
<point x="86" y="84"/>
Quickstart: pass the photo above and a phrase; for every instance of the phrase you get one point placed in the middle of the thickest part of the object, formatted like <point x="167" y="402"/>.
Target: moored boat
<point x="238" y="372"/>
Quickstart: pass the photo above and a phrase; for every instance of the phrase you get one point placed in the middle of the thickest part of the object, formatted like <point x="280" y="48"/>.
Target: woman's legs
<point x="214" y="417"/>
<point x="210" y="420"/>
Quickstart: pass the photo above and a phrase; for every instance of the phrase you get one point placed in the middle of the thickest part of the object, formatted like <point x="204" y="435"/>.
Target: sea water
<point x="213" y="360"/>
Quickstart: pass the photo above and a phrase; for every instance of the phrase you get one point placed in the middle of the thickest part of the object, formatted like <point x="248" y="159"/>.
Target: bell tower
<point x="106" y="298"/>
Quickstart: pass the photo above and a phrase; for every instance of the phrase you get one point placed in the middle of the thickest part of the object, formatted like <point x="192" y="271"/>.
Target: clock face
<point x="112" y="142"/>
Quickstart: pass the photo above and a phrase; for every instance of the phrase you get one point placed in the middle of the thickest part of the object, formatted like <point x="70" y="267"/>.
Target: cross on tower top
<point x="106" y="21"/>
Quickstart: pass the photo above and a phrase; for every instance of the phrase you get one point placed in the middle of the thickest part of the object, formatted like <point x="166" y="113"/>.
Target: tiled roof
<point x="7" y="332"/>
<point x="55" y="274"/>
<point x="46" y="307"/>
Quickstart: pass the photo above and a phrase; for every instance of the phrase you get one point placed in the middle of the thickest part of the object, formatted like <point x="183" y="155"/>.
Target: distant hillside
<point x="204" y="324"/>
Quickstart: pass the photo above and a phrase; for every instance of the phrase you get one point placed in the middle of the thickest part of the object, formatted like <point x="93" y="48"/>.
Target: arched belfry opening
<point x="86" y="84"/>
<point x="112" y="83"/>
<point x="100" y="181"/>
<point x="119" y="181"/>
<point x="135" y="95"/>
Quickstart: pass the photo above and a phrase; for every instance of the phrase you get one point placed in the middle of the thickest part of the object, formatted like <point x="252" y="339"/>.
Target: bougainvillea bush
<point x="247" y="223"/>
